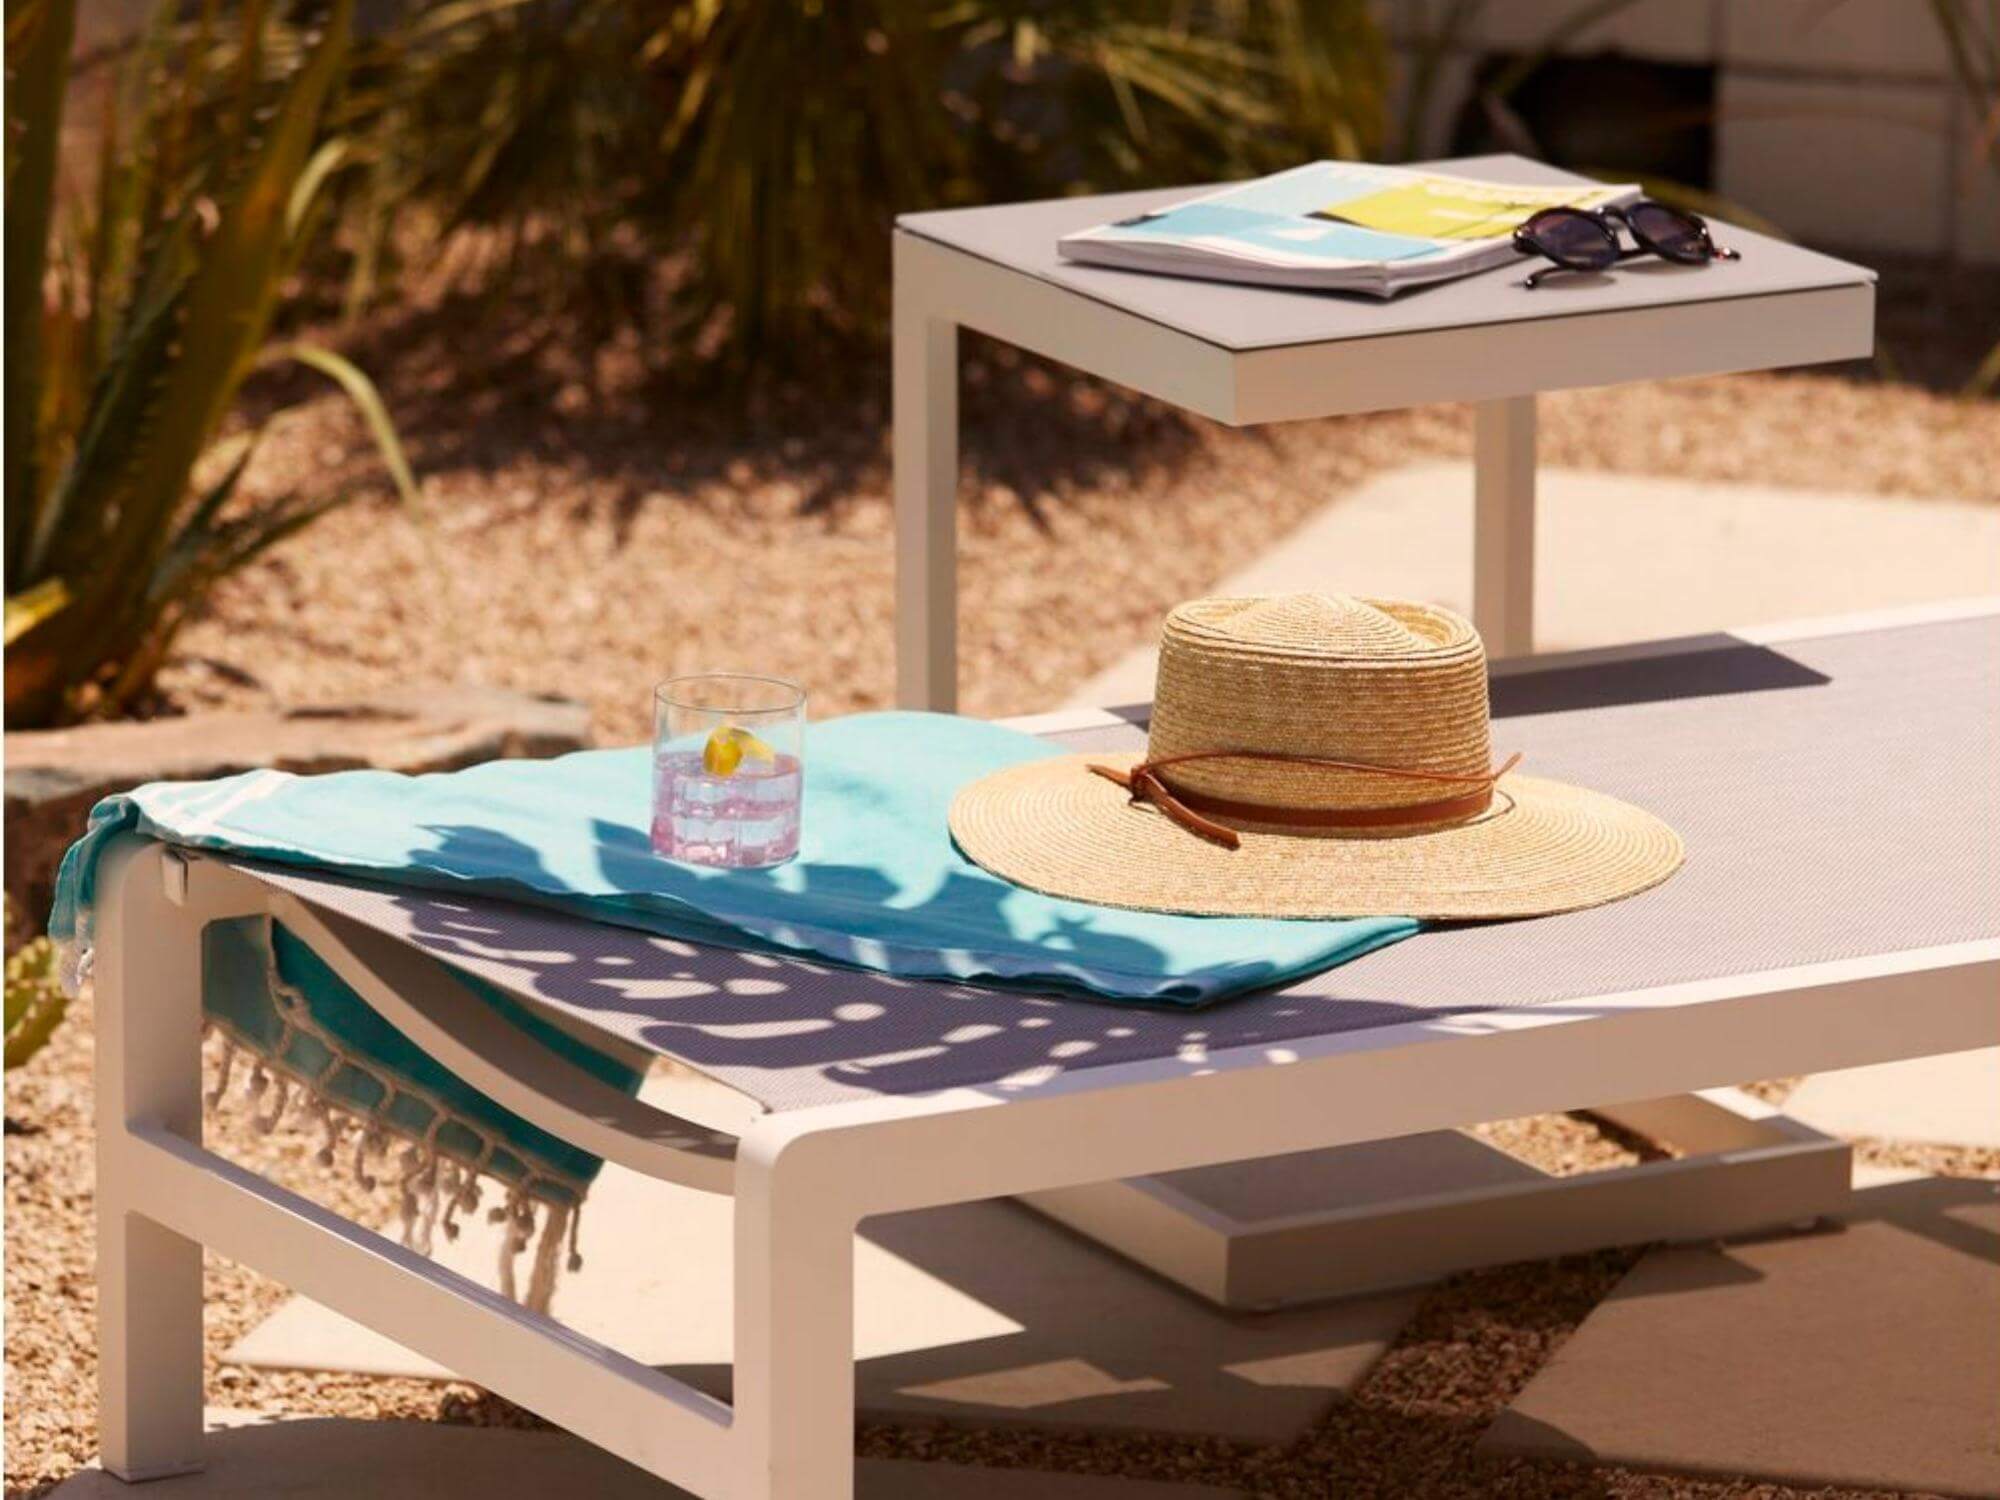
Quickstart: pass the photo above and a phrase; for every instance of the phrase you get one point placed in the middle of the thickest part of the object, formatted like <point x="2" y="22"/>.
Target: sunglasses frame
<point x="1608" y="221"/>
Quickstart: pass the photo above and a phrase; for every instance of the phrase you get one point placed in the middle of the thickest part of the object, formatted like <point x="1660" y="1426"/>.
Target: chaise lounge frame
<point x="803" y="1179"/>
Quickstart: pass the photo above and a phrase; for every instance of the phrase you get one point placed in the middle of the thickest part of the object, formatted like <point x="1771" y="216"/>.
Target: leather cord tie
<point x="1187" y="808"/>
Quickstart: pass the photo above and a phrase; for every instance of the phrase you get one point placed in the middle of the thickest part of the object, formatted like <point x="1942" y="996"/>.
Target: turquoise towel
<point x="274" y="997"/>
<point x="877" y="883"/>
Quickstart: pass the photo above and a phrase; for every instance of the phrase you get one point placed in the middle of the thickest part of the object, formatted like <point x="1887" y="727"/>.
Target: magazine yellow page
<point x="1443" y="208"/>
<point x="1335" y="226"/>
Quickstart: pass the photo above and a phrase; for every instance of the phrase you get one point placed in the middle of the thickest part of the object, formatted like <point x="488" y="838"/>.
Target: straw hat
<point x="1313" y="756"/>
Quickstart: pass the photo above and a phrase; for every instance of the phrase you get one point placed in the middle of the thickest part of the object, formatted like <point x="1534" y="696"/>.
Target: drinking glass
<point x="728" y="769"/>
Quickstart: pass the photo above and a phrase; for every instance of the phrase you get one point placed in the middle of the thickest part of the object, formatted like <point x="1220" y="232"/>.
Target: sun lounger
<point x="1834" y="783"/>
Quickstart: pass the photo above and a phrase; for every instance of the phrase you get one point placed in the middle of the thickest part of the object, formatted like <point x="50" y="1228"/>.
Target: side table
<point x="1246" y="355"/>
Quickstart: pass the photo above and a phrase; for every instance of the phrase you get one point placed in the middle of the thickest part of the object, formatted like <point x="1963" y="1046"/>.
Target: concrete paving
<point x="1867" y="1175"/>
<point x="1624" y="558"/>
<point x="1861" y="1357"/>
<point x="983" y="1312"/>
<point x="655" y="1284"/>
<point x="257" y="1457"/>
<point x="1952" y="1100"/>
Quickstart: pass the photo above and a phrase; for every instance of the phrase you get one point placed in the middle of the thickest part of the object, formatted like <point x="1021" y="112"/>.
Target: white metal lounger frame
<point x="803" y="1180"/>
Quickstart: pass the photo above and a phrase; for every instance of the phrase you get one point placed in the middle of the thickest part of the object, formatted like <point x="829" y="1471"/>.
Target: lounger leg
<point x="925" y="443"/>
<point x="1503" y="525"/>
<point x="794" y="1394"/>
<point x="148" y="1011"/>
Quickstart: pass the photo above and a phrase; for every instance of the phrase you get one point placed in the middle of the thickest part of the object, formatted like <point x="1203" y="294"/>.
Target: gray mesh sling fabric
<point x="1839" y="797"/>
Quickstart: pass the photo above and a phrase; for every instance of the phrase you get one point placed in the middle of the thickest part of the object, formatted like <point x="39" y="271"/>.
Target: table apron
<point x="1488" y="361"/>
<point x="1474" y="362"/>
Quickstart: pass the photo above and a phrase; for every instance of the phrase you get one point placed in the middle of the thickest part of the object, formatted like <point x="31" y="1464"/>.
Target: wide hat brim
<point x="1543" y="847"/>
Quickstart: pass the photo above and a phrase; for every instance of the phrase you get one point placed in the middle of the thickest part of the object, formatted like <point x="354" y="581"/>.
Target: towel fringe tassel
<point x="433" y="1186"/>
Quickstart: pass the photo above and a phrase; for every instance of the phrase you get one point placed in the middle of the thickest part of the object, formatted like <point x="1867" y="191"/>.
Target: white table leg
<point x="1503" y="525"/>
<point x="925" y="416"/>
<point x="794" y="1392"/>
<point x="148" y="1002"/>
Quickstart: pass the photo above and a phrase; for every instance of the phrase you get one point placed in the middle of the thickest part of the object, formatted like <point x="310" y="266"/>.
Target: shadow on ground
<point x="478" y="381"/>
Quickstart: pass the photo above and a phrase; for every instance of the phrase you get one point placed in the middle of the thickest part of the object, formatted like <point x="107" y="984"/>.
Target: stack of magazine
<point x="1336" y="226"/>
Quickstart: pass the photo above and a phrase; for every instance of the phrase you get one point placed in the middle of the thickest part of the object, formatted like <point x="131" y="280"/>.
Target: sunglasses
<point x="1579" y="239"/>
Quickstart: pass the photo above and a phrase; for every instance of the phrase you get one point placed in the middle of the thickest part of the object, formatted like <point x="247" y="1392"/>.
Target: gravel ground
<point x="587" y="532"/>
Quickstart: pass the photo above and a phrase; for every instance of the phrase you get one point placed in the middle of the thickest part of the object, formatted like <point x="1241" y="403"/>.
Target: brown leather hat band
<point x="1196" y="811"/>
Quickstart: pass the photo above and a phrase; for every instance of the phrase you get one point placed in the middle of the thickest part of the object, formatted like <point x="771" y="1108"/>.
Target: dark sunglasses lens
<point x="1572" y="239"/>
<point x="1668" y="231"/>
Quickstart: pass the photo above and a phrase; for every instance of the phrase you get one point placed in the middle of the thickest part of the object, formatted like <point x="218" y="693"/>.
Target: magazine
<point x="1336" y="226"/>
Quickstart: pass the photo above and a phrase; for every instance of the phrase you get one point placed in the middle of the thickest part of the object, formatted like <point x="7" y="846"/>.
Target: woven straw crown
<point x="1375" y="682"/>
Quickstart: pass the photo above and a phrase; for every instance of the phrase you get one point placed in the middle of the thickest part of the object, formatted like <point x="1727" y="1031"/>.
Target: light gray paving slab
<point x="984" y="1313"/>
<point x="1867" y="1175"/>
<point x="655" y="1283"/>
<point x="1372" y="1174"/>
<point x="1863" y="1357"/>
<point x="336" y="1458"/>
<point x="1105" y="1346"/>
<point x="1951" y="1100"/>
<point x="1713" y="568"/>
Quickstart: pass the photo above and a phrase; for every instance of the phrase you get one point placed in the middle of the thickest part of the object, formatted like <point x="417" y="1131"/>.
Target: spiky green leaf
<point x="31" y="606"/>
<point x="220" y="320"/>
<point x="38" y="47"/>
<point x="368" y="401"/>
<point x="35" y="1002"/>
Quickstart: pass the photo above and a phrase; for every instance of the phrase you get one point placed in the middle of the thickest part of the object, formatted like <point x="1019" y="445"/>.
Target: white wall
<point x="1839" y="120"/>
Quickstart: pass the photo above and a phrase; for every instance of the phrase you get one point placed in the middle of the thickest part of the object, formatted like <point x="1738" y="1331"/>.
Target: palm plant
<point x="766" y="144"/>
<point x="798" y="133"/>
<point x="132" y="321"/>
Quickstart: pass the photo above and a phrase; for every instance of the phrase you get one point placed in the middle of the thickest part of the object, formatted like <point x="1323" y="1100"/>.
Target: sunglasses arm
<point x="1625" y="253"/>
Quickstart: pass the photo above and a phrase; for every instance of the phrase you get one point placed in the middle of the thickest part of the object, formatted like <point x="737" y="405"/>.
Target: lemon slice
<point x="726" y="747"/>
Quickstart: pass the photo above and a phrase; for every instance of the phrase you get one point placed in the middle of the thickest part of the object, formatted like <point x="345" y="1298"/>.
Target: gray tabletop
<point x="1836" y="795"/>
<point x="1022" y="237"/>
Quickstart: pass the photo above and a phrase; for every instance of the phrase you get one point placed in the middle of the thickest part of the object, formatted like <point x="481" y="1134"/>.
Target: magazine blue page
<point x="1335" y="225"/>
